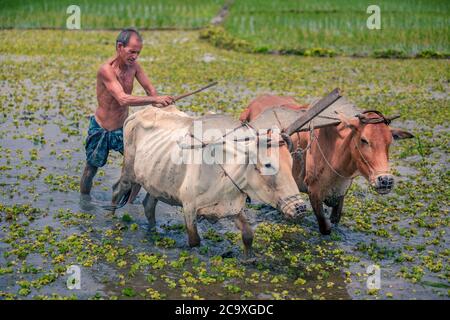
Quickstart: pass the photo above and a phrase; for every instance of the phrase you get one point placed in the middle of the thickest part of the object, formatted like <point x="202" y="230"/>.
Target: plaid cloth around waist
<point x="99" y="141"/>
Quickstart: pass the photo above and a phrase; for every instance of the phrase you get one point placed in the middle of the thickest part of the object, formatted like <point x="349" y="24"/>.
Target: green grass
<point x="109" y="14"/>
<point x="406" y="26"/>
<point x="417" y="28"/>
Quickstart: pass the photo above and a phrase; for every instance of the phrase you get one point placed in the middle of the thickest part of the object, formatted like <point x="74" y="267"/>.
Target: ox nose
<point x="384" y="183"/>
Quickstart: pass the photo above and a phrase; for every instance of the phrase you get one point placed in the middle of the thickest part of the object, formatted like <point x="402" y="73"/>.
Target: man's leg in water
<point x="86" y="179"/>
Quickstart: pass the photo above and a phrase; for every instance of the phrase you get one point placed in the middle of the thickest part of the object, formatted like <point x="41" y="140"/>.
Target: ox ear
<point x="245" y="115"/>
<point x="348" y="122"/>
<point x="398" y="134"/>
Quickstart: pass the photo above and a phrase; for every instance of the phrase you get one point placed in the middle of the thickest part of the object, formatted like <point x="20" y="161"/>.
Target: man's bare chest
<point x="126" y="79"/>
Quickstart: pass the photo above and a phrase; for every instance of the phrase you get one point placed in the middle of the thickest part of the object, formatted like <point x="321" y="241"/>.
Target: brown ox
<point x="327" y="160"/>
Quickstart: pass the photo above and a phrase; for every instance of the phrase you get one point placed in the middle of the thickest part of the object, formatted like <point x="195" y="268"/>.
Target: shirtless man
<point x="114" y="87"/>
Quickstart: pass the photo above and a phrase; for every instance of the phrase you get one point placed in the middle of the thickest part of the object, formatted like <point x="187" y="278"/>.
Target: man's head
<point x="129" y="45"/>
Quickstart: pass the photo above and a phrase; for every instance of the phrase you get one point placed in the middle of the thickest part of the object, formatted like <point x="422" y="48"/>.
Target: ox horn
<point x="288" y="141"/>
<point x="395" y="116"/>
<point x="344" y="119"/>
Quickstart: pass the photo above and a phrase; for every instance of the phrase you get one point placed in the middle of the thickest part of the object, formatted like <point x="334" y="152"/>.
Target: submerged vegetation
<point x="47" y="92"/>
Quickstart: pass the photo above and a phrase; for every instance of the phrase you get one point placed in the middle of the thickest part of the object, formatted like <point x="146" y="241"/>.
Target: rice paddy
<point x="416" y="28"/>
<point x="47" y="92"/>
<point x="407" y="27"/>
<point x="109" y="14"/>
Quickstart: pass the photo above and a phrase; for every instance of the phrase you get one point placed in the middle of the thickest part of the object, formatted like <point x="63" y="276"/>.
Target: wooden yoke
<point x="314" y="111"/>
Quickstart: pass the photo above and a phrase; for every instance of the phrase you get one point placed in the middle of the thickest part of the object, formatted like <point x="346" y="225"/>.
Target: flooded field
<point x="47" y="92"/>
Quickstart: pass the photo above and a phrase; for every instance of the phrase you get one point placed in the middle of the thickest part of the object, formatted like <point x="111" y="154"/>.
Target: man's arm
<point x="145" y="81"/>
<point x="107" y="75"/>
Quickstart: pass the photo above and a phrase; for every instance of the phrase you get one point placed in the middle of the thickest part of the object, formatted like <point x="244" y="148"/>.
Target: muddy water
<point x="46" y="175"/>
<point x="102" y="278"/>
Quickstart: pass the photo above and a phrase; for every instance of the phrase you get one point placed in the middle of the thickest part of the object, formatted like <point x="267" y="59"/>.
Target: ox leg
<point x="336" y="214"/>
<point x="247" y="234"/>
<point x="324" y="222"/>
<point x="149" y="210"/>
<point x="191" y="227"/>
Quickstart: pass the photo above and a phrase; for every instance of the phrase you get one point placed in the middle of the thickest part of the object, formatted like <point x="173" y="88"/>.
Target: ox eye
<point x="268" y="165"/>
<point x="364" y="141"/>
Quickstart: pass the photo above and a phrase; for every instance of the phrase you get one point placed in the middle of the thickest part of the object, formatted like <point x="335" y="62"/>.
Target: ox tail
<point x="122" y="202"/>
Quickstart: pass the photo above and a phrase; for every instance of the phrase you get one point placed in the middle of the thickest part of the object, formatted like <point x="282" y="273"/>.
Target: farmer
<point x="114" y="87"/>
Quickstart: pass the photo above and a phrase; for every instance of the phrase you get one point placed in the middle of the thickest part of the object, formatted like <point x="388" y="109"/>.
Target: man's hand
<point x="164" y="101"/>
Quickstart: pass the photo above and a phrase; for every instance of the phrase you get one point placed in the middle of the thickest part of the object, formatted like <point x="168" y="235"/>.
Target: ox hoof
<point x="194" y="242"/>
<point x="248" y="261"/>
<point x="248" y="258"/>
<point x="325" y="227"/>
<point x="152" y="229"/>
<point x="85" y="203"/>
<point x="227" y="254"/>
<point x="335" y="219"/>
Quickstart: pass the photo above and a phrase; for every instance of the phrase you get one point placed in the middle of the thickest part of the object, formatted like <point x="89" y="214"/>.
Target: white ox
<point x="152" y="138"/>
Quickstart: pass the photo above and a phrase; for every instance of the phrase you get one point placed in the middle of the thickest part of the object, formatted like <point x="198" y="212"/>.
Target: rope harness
<point x="244" y="124"/>
<point x="364" y="120"/>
